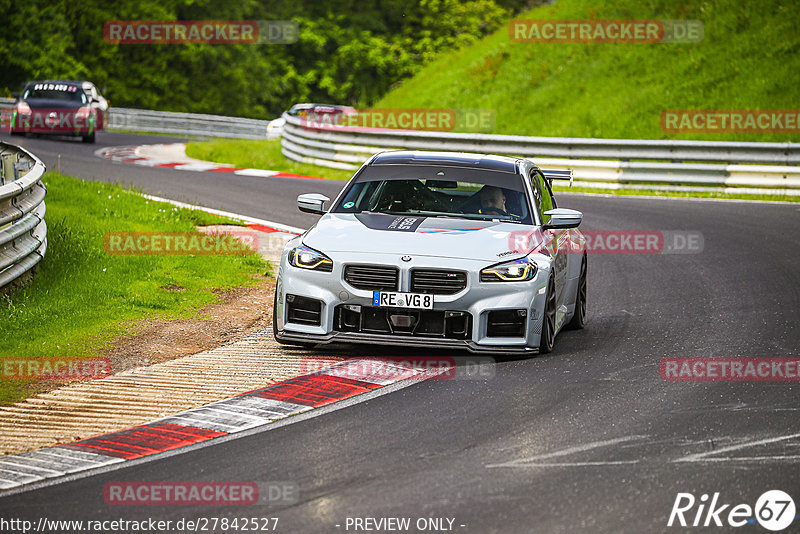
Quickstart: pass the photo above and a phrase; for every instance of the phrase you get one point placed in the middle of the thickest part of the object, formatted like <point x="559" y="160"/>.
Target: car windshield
<point x="55" y="91"/>
<point x="437" y="198"/>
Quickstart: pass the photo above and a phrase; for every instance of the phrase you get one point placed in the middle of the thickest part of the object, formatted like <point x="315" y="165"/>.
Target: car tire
<point x="88" y="138"/>
<point x="548" y="335"/>
<point x="579" y="317"/>
<point x="275" y="329"/>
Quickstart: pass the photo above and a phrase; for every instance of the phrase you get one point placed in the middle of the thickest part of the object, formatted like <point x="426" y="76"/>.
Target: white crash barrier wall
<point x="23" y="232"/>
<point x="758" y="168"/>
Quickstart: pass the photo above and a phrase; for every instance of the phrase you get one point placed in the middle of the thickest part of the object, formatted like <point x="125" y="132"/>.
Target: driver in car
<point x="493" y="201"/>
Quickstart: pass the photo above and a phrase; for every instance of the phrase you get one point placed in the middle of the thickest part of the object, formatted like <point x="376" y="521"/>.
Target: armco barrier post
<point x="10" y="171"/>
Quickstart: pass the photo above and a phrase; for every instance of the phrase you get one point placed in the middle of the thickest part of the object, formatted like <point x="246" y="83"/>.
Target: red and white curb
<point x="271" y="236"/>
<point x="252" y="222"/>
<point x="173" y="156"/>
<point x="249" y="410"/>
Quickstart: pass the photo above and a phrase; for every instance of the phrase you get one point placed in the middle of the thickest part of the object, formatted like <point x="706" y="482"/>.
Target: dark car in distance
<point x="58" y="107"/>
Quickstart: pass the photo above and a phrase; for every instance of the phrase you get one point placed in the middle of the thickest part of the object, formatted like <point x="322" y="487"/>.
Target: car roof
<point x="308" y="105"/>
<point x="322" y="108"/>
<point x="450" y="159"/>
<point x="66" y="82"/>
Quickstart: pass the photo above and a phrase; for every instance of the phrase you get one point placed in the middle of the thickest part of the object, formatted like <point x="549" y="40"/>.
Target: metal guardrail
<point x="600" y="163"/>
<point x="711" y="163"/>
<point x="190" y="124"/>
<point x="23" y="232"/>
<point x="186" y="123"/>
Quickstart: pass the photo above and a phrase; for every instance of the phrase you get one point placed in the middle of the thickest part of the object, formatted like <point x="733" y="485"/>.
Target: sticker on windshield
<point x="348" y="205"/>
<point x="55" y="87"/>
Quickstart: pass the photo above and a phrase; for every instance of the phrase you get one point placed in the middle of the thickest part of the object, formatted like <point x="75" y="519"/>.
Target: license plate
<point x="402" y="300"/>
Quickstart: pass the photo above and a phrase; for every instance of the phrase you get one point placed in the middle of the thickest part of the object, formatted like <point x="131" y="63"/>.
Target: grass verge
<point x="258" y="154"/>
<point x="677" y="194"/>
<point x="81" y="298"/>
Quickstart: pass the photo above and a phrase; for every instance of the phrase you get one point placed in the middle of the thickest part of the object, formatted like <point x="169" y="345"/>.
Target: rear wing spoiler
<point x="551" y="175"/>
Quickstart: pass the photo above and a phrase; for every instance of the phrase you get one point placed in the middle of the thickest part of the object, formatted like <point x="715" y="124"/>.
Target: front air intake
<point x="437" y="282"/>
<point x="372" y="277"/>
<point x="303" y="310"/>
<point x="506" y="323"/>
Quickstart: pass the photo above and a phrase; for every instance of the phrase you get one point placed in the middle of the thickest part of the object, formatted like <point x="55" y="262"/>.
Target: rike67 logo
<point x="774" y="510"/>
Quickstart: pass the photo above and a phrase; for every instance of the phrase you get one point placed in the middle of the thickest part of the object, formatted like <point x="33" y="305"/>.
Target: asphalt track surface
<point x="586" y="439"/>
<point x="272" y="200"/>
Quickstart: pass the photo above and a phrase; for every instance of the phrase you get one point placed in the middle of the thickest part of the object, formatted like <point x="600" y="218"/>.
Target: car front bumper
<point x="53" y="122"/>
<point x="478" y="300"/>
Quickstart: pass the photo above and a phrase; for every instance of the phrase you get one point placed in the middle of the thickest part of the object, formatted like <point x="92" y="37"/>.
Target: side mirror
<point x="14" y="94"/>
<point x="312" y="203"/>
<point x="563" y="218"/>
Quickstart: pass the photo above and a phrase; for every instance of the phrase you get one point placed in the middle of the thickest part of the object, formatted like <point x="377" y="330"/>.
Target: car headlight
<point x="308" y="258"/>
<point x="520" y="270"/>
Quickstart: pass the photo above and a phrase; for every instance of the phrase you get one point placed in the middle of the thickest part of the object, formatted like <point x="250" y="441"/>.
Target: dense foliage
<point x="348" y="52"/>
<point x="749" y="59"/>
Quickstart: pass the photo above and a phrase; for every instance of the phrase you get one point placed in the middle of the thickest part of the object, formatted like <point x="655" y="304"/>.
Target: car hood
<point x="376" y="233"/>
<point x="38" y="103"/>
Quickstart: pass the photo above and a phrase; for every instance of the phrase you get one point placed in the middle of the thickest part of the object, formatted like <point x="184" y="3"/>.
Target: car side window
<point x="537" y="192"/>
<point x="544" y="200"/>
<point x="547" y="198"/>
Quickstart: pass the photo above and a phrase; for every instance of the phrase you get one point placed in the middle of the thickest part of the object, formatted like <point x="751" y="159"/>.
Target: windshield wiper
<point x="442" y="215"/>
<point x="476" y="217"/>
<point x="434" y="214"/>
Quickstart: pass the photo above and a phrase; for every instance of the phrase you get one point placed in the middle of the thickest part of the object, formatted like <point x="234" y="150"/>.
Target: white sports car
<point x="423" y="249"/>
